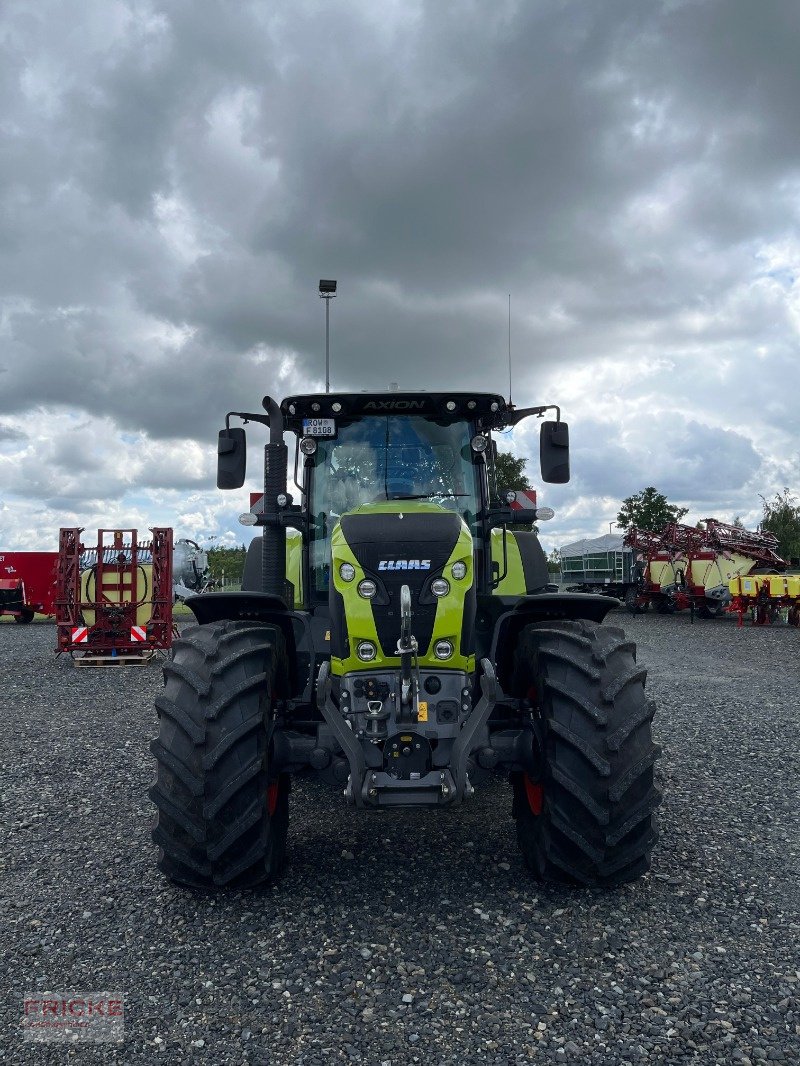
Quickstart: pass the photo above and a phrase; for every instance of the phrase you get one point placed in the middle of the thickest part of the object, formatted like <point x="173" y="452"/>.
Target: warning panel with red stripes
<point x="523" y="499"/>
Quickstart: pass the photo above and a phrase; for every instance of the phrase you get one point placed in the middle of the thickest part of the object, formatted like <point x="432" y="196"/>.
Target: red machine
<point x="114" y="598"/>
<point x="682" y="565"/>
<point x="761" y="546"/>
<point x="27" y="584"/>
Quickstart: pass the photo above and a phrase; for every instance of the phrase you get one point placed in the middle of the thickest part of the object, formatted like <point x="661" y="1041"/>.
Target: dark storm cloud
<point x="175" y="177"/>
<point x="9" y="433"/>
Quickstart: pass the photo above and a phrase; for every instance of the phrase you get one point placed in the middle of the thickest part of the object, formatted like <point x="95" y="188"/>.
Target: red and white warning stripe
<point x="525" y="498"/>
<point x="138" y="633"/>
<point x="80" y="634"/>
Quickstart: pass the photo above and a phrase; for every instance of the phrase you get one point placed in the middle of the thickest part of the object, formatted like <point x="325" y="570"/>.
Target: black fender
<point x="548" y="606"/>
<point x="256" y="607"/>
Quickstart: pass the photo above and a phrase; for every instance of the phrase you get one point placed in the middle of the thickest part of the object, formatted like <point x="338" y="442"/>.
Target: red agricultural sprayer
<point x="114" y="598"/>
<point x="689" y="567"/>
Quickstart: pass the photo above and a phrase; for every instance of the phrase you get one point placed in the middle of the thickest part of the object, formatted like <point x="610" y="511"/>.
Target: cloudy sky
<point x="176" y="175"/>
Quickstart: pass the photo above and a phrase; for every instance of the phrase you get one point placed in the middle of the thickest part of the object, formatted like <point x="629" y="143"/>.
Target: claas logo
<point x="404" y="564"/>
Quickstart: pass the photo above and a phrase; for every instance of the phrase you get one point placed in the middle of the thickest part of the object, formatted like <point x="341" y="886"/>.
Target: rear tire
<point x="588" y="819"/>
<point x="222" y="818"/>
<point x="24" y="618"/>
<point x="710" y="610"/>
<point x="632" y="600"/>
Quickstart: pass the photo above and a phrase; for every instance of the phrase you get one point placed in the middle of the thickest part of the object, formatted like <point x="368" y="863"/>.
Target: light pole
<point x="327" y="291"/>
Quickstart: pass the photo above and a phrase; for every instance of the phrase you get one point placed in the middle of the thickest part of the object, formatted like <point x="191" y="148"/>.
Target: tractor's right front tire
<point x="222" y="815"/>
<point x="588" y="816"/>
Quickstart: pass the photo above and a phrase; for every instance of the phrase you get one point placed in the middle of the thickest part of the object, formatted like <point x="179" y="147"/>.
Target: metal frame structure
<point x="766" y="597"/>
<point x="115" y="560"/>
<point x="677" y="541"/>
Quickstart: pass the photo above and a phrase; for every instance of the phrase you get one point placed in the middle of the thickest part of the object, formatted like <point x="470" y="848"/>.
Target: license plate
<point x="319" y="427"/>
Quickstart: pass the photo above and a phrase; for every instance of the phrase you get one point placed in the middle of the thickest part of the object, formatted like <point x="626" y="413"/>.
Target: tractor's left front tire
<point x="223" y="816"/>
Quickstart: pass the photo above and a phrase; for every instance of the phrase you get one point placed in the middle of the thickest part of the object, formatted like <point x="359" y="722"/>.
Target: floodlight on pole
<point x="327" y="291"/>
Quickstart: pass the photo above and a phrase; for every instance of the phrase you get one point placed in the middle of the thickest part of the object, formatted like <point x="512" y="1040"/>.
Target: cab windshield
<point x="391" y="457"/>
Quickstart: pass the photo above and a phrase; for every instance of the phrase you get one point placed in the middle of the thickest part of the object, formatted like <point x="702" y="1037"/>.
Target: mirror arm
<point x="245" y="417"/>
<point x="512" y="418"/>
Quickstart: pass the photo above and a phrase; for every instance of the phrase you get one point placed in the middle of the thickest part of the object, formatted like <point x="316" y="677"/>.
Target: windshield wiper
<point x="426" y="495"/>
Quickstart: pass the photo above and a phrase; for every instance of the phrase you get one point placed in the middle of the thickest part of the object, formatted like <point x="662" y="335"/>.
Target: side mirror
<point x="231" y="458"/>
<point x="554" y="452"/>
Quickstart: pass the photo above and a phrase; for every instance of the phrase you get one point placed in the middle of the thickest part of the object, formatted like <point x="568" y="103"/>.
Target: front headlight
<point x="367" y="588"/>
<point x="347" y="571"/>
<point x="440" y="586"/>
<point x="459" y="570"/>
<point x="366" y="651"/>
<point x="443" y="649"/>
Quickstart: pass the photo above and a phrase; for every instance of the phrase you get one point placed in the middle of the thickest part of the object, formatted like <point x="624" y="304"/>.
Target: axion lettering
<point x="394" y="405"/>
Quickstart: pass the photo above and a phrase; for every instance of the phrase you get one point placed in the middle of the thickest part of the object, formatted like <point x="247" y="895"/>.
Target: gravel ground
<point x="413" y="937"/>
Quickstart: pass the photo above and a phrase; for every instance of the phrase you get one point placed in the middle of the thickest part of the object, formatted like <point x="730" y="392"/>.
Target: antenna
<point x="509" y="351"/>
<point x="327" y="292"/>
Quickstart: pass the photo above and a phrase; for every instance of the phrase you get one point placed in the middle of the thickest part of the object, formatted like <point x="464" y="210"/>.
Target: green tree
<point x="782" y="517"/>
<point x="649" y="509"/>
<point x="506" y="473"/>
<point x="554" y="562"/>
<point x="509" y="471"/>
<point x="227" y="560"/>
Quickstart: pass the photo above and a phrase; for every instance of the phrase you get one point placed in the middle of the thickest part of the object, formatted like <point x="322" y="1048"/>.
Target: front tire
<point x="25" y="617"/>
<point x="222" y="817"/>
<point x="588" y="818"/>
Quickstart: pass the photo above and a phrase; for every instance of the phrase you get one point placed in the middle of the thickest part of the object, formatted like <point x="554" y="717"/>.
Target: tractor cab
<point x="365" y="462"/>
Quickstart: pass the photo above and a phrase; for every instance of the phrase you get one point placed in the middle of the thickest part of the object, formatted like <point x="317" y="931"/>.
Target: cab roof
<point x="488" y="408"/>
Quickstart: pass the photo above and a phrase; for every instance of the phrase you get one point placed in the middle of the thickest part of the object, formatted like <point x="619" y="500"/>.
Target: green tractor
<point x="397" y="636"/>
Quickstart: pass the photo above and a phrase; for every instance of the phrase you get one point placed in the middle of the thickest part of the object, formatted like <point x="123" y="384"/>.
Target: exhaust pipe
<point x="273" y="545"/>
